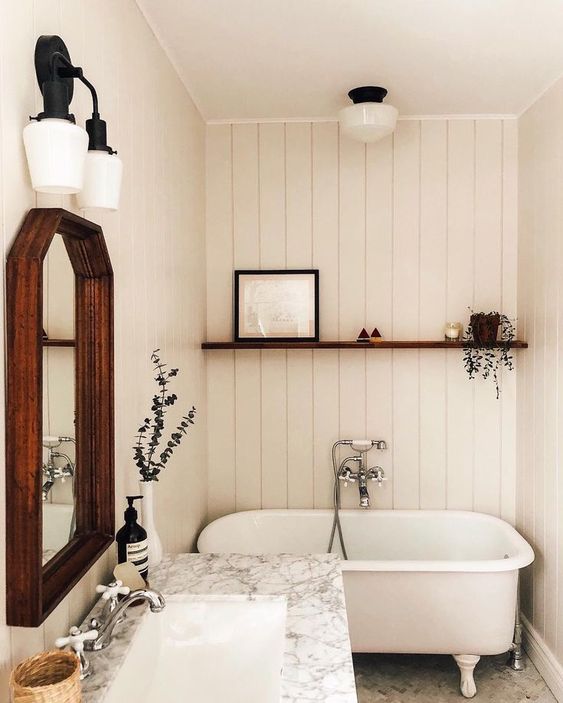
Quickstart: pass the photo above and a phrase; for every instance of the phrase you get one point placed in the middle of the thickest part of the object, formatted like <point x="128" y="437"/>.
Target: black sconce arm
<point x="70" y="71"/>
<point x="55" y="75"/>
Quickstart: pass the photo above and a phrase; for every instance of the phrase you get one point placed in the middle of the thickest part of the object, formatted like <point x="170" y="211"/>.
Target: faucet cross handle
<point x="376" y="473"/>
<point x="347" y="476"/>
<point x="75" y="641"/>
<point x="113" y="590"/>
<point x="110" y="594"/>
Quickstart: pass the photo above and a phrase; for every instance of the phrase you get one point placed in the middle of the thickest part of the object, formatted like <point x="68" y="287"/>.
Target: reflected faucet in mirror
<point x="59" y="502"/>
<point x="50" y="470"/>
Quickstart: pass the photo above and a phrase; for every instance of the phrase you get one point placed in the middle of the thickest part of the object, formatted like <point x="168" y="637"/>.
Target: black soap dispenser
<point x="132" y="544"/>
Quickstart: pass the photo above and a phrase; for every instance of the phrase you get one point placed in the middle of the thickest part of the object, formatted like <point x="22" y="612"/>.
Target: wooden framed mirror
<point x="54" y="534"/>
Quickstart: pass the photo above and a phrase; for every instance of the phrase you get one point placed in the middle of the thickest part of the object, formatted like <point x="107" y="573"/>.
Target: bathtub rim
<point x="523" y="557"/>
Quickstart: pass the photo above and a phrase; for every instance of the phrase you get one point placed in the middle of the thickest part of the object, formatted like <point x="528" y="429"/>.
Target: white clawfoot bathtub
<point x="417" y="581"/>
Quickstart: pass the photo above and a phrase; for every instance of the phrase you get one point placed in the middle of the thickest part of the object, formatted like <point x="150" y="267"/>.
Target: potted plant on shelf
<point x="149" y="454"/>
<point x="484" y="354"/>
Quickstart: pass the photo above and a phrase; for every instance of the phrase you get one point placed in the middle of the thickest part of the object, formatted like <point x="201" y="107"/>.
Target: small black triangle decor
<point x="363" y="337"/>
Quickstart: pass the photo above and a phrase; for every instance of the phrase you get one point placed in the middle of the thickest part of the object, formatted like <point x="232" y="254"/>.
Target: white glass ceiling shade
<point x="102" y="181"/>
<point x="368" y="121"/>
<point x="56" y="153"/>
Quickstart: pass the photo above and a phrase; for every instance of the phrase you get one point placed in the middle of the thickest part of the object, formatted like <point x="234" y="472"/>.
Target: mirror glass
<point x="58" y="469"/>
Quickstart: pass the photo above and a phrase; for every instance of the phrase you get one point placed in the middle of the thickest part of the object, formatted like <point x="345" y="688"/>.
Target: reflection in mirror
<point x="59" y="447"/>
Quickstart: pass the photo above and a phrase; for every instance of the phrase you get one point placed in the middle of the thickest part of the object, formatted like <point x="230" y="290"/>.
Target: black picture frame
<point x="274" y="272"/>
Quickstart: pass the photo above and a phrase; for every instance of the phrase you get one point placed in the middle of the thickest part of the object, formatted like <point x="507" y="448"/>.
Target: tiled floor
<point x="400" y="678"/>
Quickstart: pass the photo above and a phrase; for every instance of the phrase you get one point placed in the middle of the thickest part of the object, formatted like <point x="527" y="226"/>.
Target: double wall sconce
<point x="368" y="119"/>
<point x="62" y="156"/>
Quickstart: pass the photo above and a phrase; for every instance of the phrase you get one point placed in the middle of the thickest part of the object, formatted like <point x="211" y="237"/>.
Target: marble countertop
<point x="317" y="660"/>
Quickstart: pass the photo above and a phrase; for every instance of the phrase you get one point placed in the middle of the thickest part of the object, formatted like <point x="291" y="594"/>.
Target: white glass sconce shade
<point x="102" y="181"/>
<point x="56" y="152"/>
<point x="368" y="121"/>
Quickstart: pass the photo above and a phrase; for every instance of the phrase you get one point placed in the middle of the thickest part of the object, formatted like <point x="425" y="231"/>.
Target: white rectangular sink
<point x="205" y="649"/>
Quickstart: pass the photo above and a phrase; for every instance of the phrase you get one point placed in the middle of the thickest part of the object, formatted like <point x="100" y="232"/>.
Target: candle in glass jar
<point x="452" y="331"/>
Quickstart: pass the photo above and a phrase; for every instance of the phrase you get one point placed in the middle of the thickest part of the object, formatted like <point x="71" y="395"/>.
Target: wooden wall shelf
<point x="59" y="342"/>
<point x="517" y="344"/>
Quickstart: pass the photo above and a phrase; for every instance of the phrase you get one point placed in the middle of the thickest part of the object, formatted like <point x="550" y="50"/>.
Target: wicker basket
<point x="49" y="677"/>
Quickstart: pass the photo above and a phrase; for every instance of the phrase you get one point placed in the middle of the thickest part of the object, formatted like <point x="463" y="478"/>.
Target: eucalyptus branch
<point x="150" y="434"/>
<point x="158" y="405"/>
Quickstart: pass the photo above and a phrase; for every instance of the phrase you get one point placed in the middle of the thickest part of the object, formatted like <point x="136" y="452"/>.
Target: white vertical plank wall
<point x="539" y="515"/>
<point x="460" y="293"/>
<point x="407" y="233"/>
<point x="326" y="232"/>
<point x="432" y="287"/>
<point x="299" y="254"/>
<point x="156" y="242"/>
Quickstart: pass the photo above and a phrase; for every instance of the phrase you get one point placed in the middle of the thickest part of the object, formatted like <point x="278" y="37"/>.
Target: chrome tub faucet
<point x="361" y="474"/>
<point x="51" y="472"/>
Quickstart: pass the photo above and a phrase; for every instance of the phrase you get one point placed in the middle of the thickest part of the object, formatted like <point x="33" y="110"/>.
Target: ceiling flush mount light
<point x="368" y="119"/>
<point x="63" y="157"/>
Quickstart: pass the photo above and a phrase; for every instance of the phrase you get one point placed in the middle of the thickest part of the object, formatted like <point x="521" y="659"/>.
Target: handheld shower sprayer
<point x="51" y="441"/>
<point x="364" y="445"/>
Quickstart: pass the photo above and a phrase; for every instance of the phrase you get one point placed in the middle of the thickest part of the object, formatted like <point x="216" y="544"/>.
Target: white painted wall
<point x="156" y="242"/>
<point x="540" y="380"/>
<point x="406" y="233"/>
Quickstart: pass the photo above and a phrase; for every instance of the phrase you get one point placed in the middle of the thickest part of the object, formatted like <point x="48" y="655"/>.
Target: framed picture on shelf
<point x="277" y="306"/>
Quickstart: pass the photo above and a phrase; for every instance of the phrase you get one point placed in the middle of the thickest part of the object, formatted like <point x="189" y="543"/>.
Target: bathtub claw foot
<point x="467" y="664"/>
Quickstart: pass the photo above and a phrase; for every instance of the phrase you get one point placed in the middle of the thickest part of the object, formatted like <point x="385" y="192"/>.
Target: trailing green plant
<point x="147" y="453"/>
<point x="486" y="358"/>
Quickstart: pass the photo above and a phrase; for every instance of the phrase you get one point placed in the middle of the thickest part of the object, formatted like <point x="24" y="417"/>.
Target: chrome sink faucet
<point x="99" y="633"/>
<point x="362" y="474"/>
<point x="115" y="615"/>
